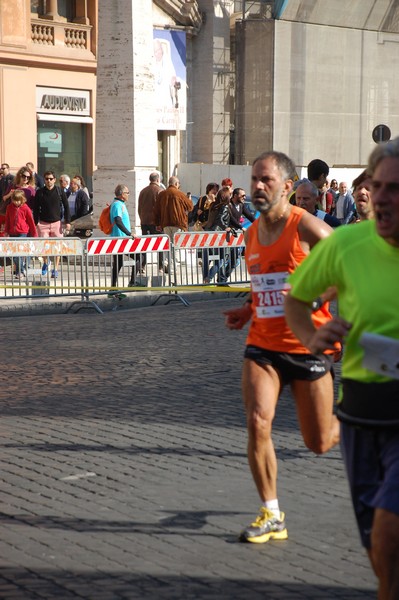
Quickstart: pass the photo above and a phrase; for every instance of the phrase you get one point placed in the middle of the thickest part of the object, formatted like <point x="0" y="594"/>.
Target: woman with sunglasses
<point x="23" y="180"/>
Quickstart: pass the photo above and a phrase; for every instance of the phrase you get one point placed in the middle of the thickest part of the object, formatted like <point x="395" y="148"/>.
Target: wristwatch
<point x="317" y="304"/>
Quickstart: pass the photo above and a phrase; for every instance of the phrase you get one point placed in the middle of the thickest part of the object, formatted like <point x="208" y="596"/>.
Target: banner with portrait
<point x="170" y="79"/>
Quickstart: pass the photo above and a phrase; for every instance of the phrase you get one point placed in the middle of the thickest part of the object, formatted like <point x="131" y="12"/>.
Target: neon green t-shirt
<point x="365" y="270"/>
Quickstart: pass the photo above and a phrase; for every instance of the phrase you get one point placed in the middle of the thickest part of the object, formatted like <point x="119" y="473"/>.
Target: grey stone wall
<point x="332" y="86"/>
<point x="210" y="86"/>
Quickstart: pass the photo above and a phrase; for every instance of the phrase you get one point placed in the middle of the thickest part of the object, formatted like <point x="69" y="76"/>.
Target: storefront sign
<point x="62" y="101"/>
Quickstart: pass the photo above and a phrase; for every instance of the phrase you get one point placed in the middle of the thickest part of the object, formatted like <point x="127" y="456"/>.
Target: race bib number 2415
<point x="268" y="294"/>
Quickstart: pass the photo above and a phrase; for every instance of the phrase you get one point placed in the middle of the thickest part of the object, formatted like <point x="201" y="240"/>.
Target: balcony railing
<point x="68" y="35"/>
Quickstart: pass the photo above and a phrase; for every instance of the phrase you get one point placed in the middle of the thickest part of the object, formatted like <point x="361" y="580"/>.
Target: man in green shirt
<point x="362" y="262"/>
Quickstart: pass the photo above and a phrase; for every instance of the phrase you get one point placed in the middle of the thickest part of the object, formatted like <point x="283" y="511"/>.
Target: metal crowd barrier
<point x="209" y="257"/>
<point x="147" y="263"/>
<point x="25" y="256"/>
<point x="144" y="263"/>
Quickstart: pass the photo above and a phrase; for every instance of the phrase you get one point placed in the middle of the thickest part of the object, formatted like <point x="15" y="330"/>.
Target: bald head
<point x="174" y="181"/>
<point x="154" y="177"/>
<point x="343" y="188"/>
<point x="307" y="196"/>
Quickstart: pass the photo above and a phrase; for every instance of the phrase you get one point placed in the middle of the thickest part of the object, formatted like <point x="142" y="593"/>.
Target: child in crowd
<point x="19" y="223"/>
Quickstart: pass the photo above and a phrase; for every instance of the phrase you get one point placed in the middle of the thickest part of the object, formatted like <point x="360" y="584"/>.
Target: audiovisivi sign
<point x="58" y="101"/>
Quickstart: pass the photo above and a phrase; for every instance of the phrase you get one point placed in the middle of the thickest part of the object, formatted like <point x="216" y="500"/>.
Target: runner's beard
<point x="262" y="202"/>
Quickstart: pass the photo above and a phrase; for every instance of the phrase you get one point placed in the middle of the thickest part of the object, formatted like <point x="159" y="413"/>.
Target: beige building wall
<point x="332" y="86"/>
<point x="41" y="53"/>
<point x="18" y="108"/>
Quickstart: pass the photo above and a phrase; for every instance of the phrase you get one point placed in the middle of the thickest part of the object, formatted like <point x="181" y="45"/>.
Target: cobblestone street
<point x="124" y="471"/>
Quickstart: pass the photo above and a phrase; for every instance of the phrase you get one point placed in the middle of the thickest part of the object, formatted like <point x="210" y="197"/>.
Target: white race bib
<point x="381" y="354"/>
<point x="267" y="294"/>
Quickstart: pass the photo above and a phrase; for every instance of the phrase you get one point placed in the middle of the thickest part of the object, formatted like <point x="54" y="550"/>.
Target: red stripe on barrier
<point x="185" y="240"/>
<point x="112" y="244"/>
<point x="203" y="241"/>
<point x="194" y="240"/>
<point x="213" y="239"/>
<point x="207" y="239"/>
<point x="128" y="245"/>
<point x="147" y="245"/>
<point x="161" y="243"/>
<point x="165" y="243"/>
<point x="156" y="243"/>
<point x="97" y="245"/>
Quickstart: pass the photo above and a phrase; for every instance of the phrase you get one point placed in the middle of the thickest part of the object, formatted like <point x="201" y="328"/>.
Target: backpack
<point x="104" y="222"/>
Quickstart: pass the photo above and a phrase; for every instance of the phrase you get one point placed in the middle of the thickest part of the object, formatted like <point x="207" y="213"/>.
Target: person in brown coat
<point x="147" y="200"/>
<point x="171" y="209"/>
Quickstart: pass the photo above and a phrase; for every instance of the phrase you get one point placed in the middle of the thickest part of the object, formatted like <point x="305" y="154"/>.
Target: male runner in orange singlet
<point x="275" y="244"/>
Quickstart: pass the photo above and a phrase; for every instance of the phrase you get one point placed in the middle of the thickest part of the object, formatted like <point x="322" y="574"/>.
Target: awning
<point x="64" y="118"/>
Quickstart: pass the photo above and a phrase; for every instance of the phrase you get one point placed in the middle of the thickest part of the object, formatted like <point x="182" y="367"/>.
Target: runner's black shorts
<point x="305" y="367"/>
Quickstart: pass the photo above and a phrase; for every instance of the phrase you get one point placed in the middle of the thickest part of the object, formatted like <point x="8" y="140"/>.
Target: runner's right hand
<point x="236" y="318"/>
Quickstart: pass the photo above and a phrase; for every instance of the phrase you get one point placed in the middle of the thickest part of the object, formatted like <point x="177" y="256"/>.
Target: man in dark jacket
<point x="78" y="201"/>
<point x="238" y="209"/>
<point x="6" y="179"/>
<point x="307" y="197"/>
<point x="47" y="215"/>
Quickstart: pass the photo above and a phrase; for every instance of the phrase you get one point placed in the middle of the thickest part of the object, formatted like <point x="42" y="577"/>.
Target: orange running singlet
<point x="269" y="267"/>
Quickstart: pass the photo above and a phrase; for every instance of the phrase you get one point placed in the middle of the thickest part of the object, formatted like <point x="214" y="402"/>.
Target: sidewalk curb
<point x="26" y="307"/>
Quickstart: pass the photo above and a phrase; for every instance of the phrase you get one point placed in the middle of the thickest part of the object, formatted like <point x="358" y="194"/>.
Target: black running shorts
<point x="305" y="367"/>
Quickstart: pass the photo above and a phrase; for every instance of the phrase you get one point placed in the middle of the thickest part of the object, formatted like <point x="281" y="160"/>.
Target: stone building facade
<point x="314" y="78"/>
<point x="48" y="85"/>
<point x="80" y="84"/>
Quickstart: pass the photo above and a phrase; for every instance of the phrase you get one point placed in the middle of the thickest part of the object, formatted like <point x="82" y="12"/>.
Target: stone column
<point x="126" y="136"/>
<point x="209" y="115"/>
<point x="52" y="11"/>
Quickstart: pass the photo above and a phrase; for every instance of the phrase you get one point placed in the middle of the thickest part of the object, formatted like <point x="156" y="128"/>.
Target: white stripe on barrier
<point x="138" y="245"/>
<point x="207" y="239"/>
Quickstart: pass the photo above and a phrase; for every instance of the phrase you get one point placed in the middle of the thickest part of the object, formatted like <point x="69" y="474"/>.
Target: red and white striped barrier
<point x="207" y="239"/>
<point x="138" y="245"/>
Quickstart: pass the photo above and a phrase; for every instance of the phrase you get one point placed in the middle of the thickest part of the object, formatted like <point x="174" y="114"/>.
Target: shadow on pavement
<point x="23" y="585"/>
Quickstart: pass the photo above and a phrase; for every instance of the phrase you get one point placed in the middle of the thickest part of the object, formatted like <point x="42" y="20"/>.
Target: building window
<point x="67" y="9"/>
<point x="57" y="8"/>
<point x="62" y="147"/>
<point x="37" y="7"/>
